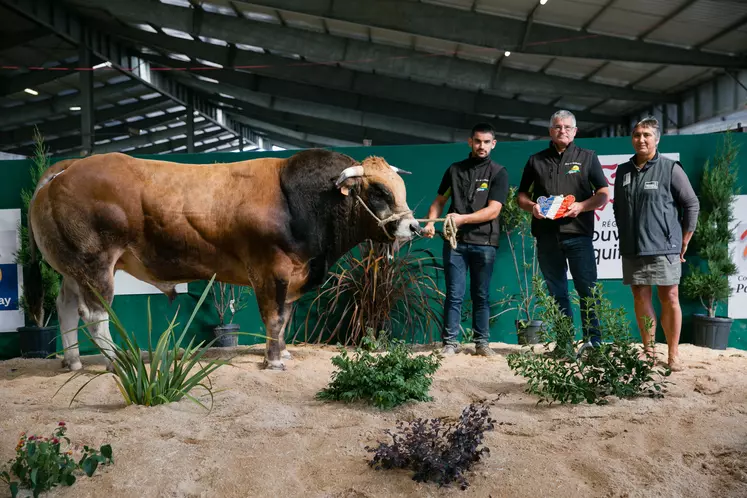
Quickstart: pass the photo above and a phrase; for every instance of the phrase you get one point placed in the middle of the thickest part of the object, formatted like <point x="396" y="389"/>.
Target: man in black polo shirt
<point x="565" y="169"/>
<point x="477" y="187"/>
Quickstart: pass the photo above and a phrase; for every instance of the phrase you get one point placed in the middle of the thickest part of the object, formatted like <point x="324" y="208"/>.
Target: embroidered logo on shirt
<point x="650" y="185"/>
<point x="574" y="169"/>
<point x="483" y="186"/>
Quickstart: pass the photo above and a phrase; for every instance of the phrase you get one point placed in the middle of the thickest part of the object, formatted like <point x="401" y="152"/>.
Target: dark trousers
<point x="557" y="254"/>
<point x="478" y="260"/>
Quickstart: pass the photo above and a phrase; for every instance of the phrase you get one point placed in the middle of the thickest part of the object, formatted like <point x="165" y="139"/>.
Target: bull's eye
<point x="380" y="197"/>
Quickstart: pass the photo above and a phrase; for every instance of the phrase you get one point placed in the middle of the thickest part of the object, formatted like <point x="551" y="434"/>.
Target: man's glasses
<point x="560" y="127"/>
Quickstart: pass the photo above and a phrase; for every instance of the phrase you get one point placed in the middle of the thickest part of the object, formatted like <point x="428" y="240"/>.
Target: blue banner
<point x="8" y="287"/>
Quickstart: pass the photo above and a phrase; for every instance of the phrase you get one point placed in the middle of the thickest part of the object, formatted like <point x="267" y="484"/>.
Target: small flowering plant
<point x="42" y="463"/>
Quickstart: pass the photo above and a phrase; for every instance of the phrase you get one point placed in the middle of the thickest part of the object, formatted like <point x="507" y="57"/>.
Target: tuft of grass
<point x="172" y="374"/>
<point x="371" y="288"/>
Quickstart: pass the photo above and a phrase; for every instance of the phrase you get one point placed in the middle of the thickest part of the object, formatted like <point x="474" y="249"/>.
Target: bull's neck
<point x="348" y="230"/>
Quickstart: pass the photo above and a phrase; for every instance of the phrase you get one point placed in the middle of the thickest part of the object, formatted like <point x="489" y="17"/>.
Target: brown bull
<point x="276" y="225"/>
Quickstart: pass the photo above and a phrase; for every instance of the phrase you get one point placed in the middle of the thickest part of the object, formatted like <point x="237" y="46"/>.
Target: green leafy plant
<point x="708" y="280"/>
<point x="166" y="374"/>
<point x="375" y="341"/>
<point x="435" y="449"/>
<point x="558" y="329"/>
<point x="385" y="380"/>
<point x="229" y="299"/>
<point x="617" y="367"/>
<point x="516" y="225"/>
<point x="42" y="463"/>
<point x="468" y="336"/>
<point x="50" y="280"/>
<point x="372" y="288"/>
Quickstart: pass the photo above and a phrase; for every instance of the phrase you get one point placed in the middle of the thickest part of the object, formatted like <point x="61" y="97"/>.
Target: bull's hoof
<point x="285" y="355"/>
<point x="276" y="365"/>
<point x="73" y="365"/>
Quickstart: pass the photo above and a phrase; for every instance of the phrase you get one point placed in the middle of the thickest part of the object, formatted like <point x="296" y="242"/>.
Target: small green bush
<point x="617" y="367"/>
<point x="41" y="463"/>
<point x="385" y="380"/>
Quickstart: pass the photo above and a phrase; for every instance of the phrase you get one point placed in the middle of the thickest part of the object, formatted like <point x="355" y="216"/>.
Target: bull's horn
<point x="400" y="171"/>
<point x="350" y="172"/>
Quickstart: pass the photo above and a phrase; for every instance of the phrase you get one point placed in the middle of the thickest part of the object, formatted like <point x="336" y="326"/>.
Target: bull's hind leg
<point x="274" y="311"/>
<point x="284" y="353"/>
<point x="67" y="311"/>
<point x="94" y="313"/>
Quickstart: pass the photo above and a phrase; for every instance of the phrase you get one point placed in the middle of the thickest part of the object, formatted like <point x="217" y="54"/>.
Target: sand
<point x="268" y="437"/>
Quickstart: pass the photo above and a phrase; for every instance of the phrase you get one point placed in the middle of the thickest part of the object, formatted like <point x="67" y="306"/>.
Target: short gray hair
<point x="649" y="122"/>
<point x="563" y="114"/>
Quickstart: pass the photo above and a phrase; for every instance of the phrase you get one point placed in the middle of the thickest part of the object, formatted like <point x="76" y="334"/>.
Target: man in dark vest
<point x="649" y="191"/>
<point x="566" y="243"/>
<point x="478" y="188"/>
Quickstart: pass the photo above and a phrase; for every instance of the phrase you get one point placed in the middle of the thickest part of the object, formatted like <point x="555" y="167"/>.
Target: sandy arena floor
<point x="268" y="437"/>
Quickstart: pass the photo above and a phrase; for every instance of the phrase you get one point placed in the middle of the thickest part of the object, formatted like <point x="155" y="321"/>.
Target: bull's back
<point x="176" y="220"/>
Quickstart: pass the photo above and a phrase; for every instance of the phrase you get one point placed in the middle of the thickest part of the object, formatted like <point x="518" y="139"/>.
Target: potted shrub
<point x="708" y="280"/>
<point x="516" y="224"/>
<point x="228" y="300"/>
<point x="38" y="340"/>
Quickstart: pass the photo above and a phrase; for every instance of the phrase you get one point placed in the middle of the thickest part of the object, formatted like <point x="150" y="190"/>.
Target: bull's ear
<point x="351" y="185"/>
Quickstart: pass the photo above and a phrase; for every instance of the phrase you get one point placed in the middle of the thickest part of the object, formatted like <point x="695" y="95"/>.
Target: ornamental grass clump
<point x="167" y="373"/>
<point x="42" y="463"/>
<point x="617" y="367"/>
<point x="373" y="288"/>
<point x="384" y="380"/>
<point x="434" y="449"/>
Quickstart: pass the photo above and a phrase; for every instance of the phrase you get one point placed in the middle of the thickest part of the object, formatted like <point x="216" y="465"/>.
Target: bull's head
<point x="383" y="191"/>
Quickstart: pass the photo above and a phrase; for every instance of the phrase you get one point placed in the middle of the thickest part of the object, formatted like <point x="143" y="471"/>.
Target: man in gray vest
<point x="649" y="191"/>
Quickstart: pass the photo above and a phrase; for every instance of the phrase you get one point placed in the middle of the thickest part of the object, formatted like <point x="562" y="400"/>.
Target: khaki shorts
<point x="652" y="270"/>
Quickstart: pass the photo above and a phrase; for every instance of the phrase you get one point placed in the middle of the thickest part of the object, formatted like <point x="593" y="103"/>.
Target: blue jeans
<point x="479" y="261"/>
<point x="557" y="254"/>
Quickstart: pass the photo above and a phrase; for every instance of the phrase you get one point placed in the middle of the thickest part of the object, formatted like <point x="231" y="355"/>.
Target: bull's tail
<point x="33" y="285"/>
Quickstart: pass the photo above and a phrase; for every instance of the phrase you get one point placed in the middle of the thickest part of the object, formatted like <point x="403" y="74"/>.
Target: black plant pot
<point x="711" y="332"/>
<point x="37" y="342"/>
<point x="226" y="335"/>
<point x="530" y="334"/>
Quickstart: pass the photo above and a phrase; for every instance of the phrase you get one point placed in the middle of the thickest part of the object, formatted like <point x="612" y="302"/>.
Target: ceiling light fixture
<point x="31" y="92"/>
<point x="507" y="53"/>
<point x="75" y="108"/>
<point x="543" y="2"/>
<point x="103" y="64"/>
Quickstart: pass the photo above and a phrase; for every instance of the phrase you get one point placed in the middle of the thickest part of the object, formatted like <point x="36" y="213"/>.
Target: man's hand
<point x="537" y="213"/>
<point x="682" y="253"/>
<point x="429" y="230"/>
<point x="459" y="219"/>
<point x="574" y="210"/>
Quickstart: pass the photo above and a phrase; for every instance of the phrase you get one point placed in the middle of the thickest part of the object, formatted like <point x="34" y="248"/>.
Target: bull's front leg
<point x="274" y="311"/>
